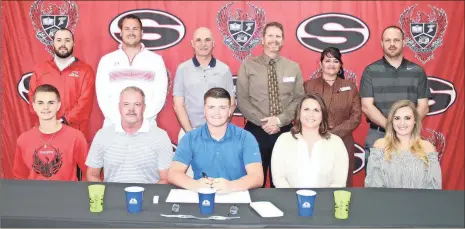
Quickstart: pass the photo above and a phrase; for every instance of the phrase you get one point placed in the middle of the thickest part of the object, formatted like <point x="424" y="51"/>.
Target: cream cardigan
<point x="292" y="167"/>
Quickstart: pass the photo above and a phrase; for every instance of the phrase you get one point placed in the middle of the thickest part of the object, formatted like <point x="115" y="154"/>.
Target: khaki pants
<point x="189" y="172"/>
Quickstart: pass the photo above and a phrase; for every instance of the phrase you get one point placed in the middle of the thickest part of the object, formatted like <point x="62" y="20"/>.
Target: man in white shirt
<point x="131" y="65"/>
<point x="132" y="151"/>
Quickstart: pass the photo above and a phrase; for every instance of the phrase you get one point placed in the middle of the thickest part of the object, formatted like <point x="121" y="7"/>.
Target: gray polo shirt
<point x="126" y="158"/>
<point x="386" y="84"/>
<point x="192" y="81"/>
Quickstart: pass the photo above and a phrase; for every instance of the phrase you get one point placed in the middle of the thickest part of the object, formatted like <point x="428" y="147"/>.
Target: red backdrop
<point x="434" y="30"/>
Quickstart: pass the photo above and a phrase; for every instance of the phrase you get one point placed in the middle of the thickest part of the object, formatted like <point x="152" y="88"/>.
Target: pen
<point x="204" y="175"/>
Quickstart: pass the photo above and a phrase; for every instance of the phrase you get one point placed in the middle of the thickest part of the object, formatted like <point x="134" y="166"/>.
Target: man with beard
<point x="51" y="150"/>
<point x="269" y="87"/>
<point x="388" y="80"/>
<point x="223" y="156"/>
<point x="73" y="78"/>
<point x="131" y="65"/>
<point x="132" y="151"/>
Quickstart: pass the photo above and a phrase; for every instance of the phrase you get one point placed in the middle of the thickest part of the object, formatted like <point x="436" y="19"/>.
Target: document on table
<point x="188" y="196"/>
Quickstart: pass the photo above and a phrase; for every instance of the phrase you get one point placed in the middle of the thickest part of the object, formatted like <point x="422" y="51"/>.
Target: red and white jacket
<point x="115" y="72"/>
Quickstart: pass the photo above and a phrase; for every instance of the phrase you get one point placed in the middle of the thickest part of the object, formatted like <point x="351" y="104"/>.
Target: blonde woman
<point x="309" y="156"/>
<point x="402" y="159"/>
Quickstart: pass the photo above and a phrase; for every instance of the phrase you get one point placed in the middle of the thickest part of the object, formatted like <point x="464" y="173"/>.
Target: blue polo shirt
<point x="225" y="158"/>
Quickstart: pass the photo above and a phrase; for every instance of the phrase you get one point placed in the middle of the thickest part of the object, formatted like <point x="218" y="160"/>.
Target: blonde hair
<point x="391" y="139"/>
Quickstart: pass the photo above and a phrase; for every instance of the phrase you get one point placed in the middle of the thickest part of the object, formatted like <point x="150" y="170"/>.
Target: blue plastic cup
<point x="134" y="198"/>
<point x="206" y="200"/>
<point x="305" y="202"/>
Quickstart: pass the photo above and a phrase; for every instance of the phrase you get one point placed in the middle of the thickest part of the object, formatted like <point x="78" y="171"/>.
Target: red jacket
<point x="76" y="85"/>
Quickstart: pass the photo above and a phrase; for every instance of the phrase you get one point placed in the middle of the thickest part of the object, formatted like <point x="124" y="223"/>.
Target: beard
<point x="276" y="44"/>
<point x="64" y="55"/>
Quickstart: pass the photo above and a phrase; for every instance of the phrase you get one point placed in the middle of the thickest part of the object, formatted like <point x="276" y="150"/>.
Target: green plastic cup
<point x="96" y="193"/>
<point x="341" y="204"/>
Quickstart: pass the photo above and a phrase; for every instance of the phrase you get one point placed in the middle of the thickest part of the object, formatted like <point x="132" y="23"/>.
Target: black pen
<point x="206" y="177"/>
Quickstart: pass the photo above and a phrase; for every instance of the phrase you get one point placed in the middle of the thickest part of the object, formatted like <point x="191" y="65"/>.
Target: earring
<point x="340" y="72"/>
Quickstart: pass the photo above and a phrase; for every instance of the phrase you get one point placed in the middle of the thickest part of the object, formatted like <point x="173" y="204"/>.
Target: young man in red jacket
<point x="74" y="79"/>
<point x="51" y="150"/>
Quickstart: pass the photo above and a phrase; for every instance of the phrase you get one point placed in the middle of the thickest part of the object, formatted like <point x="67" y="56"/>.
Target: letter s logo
<point x="23" y="86"/>
<point x="343" y="31"/>
<point x="359" y="156"/>
<point x="443" y="95"/>
<point x="161" y="29"/>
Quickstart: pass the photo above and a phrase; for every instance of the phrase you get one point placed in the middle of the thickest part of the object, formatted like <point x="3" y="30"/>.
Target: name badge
<point x="344" y="88"/>
<point x="288" y="79"/>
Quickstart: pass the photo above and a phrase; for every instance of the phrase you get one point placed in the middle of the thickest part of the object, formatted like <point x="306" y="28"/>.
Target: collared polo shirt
<point x="225" y="158"/>
<point x="126" y="158"/>
<point x="387" y="84"/>
<point x="192" y="81"/>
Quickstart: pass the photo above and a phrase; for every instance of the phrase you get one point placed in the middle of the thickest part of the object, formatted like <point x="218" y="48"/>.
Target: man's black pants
<point x="266" y="143"/>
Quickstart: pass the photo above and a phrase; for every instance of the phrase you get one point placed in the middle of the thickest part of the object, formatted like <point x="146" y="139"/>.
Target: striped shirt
<point x="404" y="170"/>
<point x="386" y="84"/>
<point x="126" y="158"/>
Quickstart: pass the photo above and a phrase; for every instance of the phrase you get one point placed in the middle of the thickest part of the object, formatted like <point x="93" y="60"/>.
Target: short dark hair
<point x="392" y="27"/>
<point x="217" y="93"/>
<point x="64" y="29"/>
<point x="324" y="126"/>
<point x="129" y="16"/>
<point x="273" y="24"/>
<point x="46" y="88"/>
<point x="333" y="52"/>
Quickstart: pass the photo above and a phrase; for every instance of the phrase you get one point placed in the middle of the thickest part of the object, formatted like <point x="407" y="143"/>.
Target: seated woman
<point x="309" y="156"/>
<point x="402" y="159"/>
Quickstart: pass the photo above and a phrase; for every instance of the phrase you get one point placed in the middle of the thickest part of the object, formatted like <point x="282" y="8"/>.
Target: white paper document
<point x="188" y="196"/>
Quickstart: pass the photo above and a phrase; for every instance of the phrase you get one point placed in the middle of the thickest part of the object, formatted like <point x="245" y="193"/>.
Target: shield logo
<point x="241" y="31"/>
<point x="423" y="33"/>
<point x="52" y="23"/>
<point x="48" y="17"/>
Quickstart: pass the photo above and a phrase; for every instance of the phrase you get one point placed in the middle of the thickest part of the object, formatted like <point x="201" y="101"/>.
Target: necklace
<point x="45" y="143"/>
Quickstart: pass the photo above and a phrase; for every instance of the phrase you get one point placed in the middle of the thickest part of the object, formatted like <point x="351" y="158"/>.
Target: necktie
<point x="273" y="89"/>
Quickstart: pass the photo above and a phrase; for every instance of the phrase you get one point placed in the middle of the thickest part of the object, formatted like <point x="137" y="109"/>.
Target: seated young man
<point x="51" y="150"/>
<point x="132" y="151"/>
<point x="223" y="156"/>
